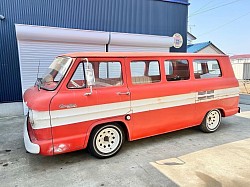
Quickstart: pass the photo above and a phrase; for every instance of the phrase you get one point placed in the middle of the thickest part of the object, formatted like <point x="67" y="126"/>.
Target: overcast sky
<point x="225" y="23"/>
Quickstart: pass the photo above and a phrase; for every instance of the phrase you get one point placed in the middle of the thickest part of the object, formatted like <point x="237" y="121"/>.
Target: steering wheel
<point x="75" y="84"/>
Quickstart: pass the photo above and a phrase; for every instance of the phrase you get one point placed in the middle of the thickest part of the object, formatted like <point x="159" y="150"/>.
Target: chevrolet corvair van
<point x="99" y="100"/>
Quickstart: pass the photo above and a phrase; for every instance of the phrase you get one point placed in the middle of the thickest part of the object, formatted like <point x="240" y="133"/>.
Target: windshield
<point x="51" y="79"/>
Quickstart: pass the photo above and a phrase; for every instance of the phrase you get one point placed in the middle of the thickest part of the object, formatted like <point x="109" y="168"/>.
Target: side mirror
<point x="90" y="77"/>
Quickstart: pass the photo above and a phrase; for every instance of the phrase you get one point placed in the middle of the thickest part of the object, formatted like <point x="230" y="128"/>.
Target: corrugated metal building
<point x="241" y="66"/>
<point x="148" y="17"/>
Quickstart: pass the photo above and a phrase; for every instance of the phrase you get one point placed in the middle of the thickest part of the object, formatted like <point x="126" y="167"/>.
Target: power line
<point x="202" y="7"/>
<point x="225" y="24"/>
<point x="222" y="5"/>
<point x="194" y="14"/>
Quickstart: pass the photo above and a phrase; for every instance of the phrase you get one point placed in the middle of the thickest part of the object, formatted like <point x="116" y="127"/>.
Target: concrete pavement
<point x="245" y="99"/>
<point x="224" y="165"/>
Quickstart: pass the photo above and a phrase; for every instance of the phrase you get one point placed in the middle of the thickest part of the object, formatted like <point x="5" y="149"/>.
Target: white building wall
<point x="190" y="38"/>
<point x="241" y="68"/>
<point x="238" y="70"/>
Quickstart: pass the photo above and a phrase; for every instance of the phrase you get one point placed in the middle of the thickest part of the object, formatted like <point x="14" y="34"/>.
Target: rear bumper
<point x="29" y="146"/>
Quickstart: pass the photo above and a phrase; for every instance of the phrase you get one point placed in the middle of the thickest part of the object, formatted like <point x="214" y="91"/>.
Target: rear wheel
<point x="105" y="141"/>
<point x="211" y="121"/>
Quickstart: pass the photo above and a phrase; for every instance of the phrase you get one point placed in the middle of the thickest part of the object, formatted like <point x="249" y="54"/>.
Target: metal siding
<point x="131" y="16"/>
<point x="246" y="72"/>
<point x="33" y="53"/>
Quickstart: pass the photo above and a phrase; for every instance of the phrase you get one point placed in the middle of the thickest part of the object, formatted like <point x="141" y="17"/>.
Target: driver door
<point x="70" y="110"/>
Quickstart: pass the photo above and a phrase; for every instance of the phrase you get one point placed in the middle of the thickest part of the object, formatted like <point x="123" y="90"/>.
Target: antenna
<point x="38" y="70"/>
<point x="37" y="79"/>
<point x="190" y="28"/>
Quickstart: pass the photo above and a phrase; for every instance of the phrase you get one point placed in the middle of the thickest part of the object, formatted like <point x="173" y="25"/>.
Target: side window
<point x="145" y="72"/>
<point x="176" y="70"/>
<point x="206" y="69"/>
<point x="78" y="78"/>
<point x="110" y="74"/>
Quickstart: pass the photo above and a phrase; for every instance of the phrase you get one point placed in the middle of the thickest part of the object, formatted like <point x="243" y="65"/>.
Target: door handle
<point x="123" y="93"/>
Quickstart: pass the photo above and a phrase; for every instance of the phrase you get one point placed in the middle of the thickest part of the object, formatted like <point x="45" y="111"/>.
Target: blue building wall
<point x="156" y="17"/>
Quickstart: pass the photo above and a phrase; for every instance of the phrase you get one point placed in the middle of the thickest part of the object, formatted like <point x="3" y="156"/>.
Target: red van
<point x="98" y="100"/>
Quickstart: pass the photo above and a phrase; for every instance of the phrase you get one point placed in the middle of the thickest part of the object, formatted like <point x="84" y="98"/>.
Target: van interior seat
<point x="178" y="75"/>
<point x="197" y="75"/>
<point x="146" y="79"/>
<point x="109" y="81"/>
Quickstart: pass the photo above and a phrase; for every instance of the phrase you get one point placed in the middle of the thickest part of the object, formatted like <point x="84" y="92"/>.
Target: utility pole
<point x="190" y="28"/>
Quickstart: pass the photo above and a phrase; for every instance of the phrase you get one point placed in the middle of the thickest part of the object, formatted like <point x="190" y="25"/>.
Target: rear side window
<point x="176" y="70"/>
<point x="206" y="69"/>
<point x="145" y="72"/>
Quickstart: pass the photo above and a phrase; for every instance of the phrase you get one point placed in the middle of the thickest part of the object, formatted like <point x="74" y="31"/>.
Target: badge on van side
<point x="67" y="106"/>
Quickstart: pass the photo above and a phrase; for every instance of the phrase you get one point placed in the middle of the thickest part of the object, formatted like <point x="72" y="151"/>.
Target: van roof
<point x="137" y="54"/>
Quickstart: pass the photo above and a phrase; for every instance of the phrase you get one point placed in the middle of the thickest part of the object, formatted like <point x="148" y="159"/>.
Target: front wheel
<point x="211" y="121"/>
<point x="105" y="141"/>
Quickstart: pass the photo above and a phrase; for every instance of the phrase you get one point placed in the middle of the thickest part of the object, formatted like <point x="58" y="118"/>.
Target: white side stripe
<point x="75" y="115"/>
<point x="162" y="102"/>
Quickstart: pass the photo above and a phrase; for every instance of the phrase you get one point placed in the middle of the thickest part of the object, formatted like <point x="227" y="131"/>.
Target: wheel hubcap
<point x="213" y="119"/>
<point x="107" y="140"/>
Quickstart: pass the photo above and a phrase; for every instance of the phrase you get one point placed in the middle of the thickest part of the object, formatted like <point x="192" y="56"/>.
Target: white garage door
<point x="32" y="53"/>
<point x="40" y="45"/>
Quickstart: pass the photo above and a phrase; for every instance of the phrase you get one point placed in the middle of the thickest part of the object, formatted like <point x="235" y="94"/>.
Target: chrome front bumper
<point x="29" y="146"/>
